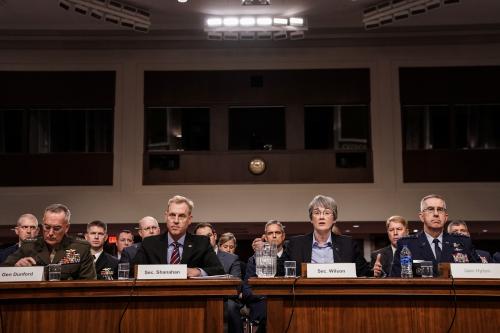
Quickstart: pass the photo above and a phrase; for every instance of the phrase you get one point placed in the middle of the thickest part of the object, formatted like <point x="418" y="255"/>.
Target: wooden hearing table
<point x="97" y="306"/>
<point x="380" y="305"/>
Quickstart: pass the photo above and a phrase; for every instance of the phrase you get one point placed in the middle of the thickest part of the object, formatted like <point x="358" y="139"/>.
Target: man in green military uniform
<point x="55" y="247"/>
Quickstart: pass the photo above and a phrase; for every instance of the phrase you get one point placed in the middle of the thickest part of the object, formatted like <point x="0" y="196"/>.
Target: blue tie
<point x="437" y="249"/>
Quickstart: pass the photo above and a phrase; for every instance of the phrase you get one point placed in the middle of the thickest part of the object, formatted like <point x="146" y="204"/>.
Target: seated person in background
<point x="274" y="232"/>
<point x="231" y="264"/>
<point x="125" y="239"/>
<point x="56" y="247"/>
<point x="176" y="246"/>
<point x="106" y="266"/>
<point x="433" y="244"/>
<point x="26" y="228"/>
<point x="381" y="260"/>
<point x="322" y="246"/>
<point x="229" y="261"/>
<point x="496" y="257"/>
<point x="227" y="242"/>
<point x="148" y="226"/>
<point x="460" y="227"/>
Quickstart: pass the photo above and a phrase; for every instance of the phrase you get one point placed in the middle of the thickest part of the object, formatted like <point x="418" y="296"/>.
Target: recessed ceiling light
<point x="355" y="226"/>
<point x="347" y="230"/>
<point x="182" y="1"/>
<point x="415" y="230"/>
<point x="485" y="230"/>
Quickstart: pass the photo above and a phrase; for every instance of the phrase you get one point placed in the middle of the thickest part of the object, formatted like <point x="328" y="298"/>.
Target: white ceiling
<point x="169" y="15"/>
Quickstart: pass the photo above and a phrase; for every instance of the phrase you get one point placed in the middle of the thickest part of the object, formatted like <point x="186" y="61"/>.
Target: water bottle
<point x="406" y="262"/>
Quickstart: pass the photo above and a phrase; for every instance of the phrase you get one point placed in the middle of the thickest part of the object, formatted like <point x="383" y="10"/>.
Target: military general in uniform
<point x="55" y="247"/>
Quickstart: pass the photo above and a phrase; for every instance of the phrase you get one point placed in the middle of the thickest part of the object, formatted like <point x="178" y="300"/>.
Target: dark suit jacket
<point x="385" y="259"/>
<point x="421" y="250"/>
<point x="496" y="257"/>
<point x="106" y="260"/>
<point x="485" y="254"/>
<point x="345" y="250"/>
<point x="8" y="251"/>
<point x="230" y="262"/>
<point x="129" y="253"/>
<point x="197" y="253"/>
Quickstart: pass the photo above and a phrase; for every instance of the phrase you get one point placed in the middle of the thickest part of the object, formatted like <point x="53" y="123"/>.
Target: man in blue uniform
<point x="433" y="244"/>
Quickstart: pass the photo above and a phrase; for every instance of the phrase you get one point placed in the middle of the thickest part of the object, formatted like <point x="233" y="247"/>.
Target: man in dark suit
<point x="231" y="264"/>
<point x="106" y="266"/>
<point x="381" y="260"/>
<point x="433" y="244"/>
<point x="176" y="246"/>
<point x="274" y="232"/>
<point x="322" y="246"/>
<point x="148" y="226"/>
<point x="26" y="228"/>
<point x="460" y="227"/>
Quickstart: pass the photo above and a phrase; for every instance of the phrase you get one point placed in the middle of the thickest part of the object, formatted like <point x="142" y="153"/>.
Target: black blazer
<point x="385" y="259"/>
<point x="106" y="260"/>
<point x="345" y="250"/>
<point x="196" y="253"/>
<point x="421" y="250"/>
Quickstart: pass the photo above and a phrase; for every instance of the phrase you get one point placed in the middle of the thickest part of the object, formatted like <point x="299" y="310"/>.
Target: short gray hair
<point x="431" y="196"/>
<point x="148" y="219"/>
<point x="179" y="199"/>
<point x="325" y="202"/>
<point x="58" y="208"/>
<point x="278" y="223"/>
<point x="28" y="217"/>
<point x="456" y="223"/>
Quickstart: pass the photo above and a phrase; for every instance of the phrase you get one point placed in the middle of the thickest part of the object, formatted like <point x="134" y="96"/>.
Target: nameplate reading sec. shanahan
<point x="161" y="272"/>
<point x="475" y="271"/>
<point x="340" y="270"/>
<point x="21" y="274"/>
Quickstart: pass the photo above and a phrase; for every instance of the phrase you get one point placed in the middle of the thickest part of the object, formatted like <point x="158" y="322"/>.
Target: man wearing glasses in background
<point x="26" y="228"/>
<point x="176" y="246"/>
<point x="148" y="226"/>
<point x="322" y="246"/>
<point x="433" y="244"/>
<point x="55" y="247"/>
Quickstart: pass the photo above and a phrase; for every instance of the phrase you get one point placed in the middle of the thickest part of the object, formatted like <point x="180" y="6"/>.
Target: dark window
<point x="56" y="128"/>
<point x="177" y="129"/>
<point x="257" y="128"/>
<point x="450" y="121"/>
<point x="337" y="127"/>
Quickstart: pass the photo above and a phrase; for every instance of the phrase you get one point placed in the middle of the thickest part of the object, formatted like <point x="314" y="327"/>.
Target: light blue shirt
<point x="181" y="250"/>
<point x="430" y="239"/>
<point x="322" y="254"/>
<point x="171" y="246"/>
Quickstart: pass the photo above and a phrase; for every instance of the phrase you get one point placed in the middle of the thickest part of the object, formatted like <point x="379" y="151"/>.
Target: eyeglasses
<point x="27" y="227"/>
<point x="56" y="228"/>
<point x="180" y="217"/>
<point x="272" y="233"/>
<point x="325" y="213"/>
<point x="149" y="229"/>
<point x="431" y="210"/>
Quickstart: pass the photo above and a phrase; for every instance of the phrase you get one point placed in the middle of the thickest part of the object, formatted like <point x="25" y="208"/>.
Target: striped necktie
<point x="175" y="258"/>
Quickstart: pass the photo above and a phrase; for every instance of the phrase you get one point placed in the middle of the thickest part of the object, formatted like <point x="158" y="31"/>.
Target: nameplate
<point x="161" y="272"/>
<point x="21" y="274"/>
<point x="475" y="271"/>
<point x="340" y="270"/>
